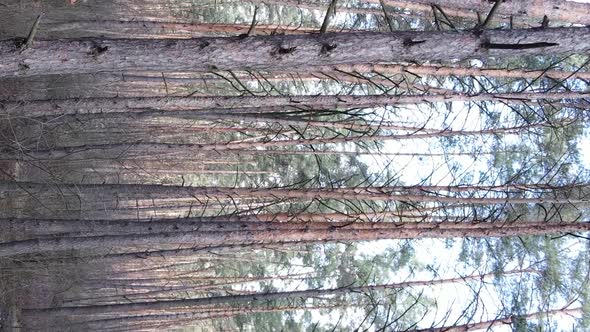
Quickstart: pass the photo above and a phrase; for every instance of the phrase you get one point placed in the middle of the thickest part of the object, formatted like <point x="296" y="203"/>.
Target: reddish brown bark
<point x="235" y="233"/>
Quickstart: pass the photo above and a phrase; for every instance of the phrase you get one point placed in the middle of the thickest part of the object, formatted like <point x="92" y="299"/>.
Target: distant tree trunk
<point x="157" y="30"/>
<point x="498" y="322"/>
<point x="436" y="70"/>
<point x="525" y="11"/>
<point x="310" y="5"/>
<point x="183" y="153"/>
<point x="167" y="287"/>
<point x="234" y="299"/>
<point x="557" y="10"/>
<point x="132" y="192"/>
<point x="257" y="142"/>
<point x="217" y="106"/>
<point x="177" y="319"/>
<point x="283" y="52"/>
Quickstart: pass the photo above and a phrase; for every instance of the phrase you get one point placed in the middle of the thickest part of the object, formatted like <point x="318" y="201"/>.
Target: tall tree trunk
<point x="442" y="71"/>
<point x="156" y="30"/>
<point x="253" y="144"/>
<point x="283" y="52"/>
<point x="234" y="233"/>
<point x="137" y="155"/>
<point x="177" y="319"/>
<point x="51" y="228"/>
<point x="133" y="192"/>
<point x="217" y="106"/>
<point x="234" y="299"/>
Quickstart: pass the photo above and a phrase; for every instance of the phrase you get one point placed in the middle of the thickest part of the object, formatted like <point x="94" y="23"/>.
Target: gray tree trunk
<point x="286" y="52"/>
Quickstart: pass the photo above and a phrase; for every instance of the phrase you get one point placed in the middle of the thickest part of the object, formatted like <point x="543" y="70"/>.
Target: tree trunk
<point x="49" y="228"/>
<point x="234" y="299"/>
<point x="528" y="10"/>
<point x="156" y="30"/>
<point x="211" y="106"/>
<point x="178" y="318"/>
<point x="178" y="153"/>
<point x="310" y="5"/>
<point x="442" y="71"/>
<point x="488" y="325"/>
<point x="133" y="192"/>
<point x="251" y="144"/>
<point x="283" y="52"/>
<point x="236" y="233"/>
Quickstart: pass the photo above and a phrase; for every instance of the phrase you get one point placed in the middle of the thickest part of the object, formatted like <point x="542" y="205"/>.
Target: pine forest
<point x="295" y="165"/>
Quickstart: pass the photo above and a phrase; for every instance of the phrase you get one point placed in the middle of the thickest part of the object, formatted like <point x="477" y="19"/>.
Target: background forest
<point x="294" y="165"/>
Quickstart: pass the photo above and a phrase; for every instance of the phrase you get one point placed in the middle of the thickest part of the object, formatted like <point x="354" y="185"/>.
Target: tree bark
<point x="283" y="52"/>
<point x="232" y="233"/>
<point x="51" y="228"/>
<point x="156" y="30"/>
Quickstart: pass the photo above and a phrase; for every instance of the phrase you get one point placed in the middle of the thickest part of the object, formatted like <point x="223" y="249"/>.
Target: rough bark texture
<point x="283" y="52"/>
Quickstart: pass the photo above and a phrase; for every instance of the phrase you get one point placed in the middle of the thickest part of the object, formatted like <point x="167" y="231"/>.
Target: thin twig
<point x="387" y="18"/>
<point x="436" y="21"/>
<point x="29" y="42"/>
<point x="447" y="19"/>
<point x="490" y="15"/>
<point x="331" y="10"/>
<point x="165" y="84"/>
<point x="252" y="30"/>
